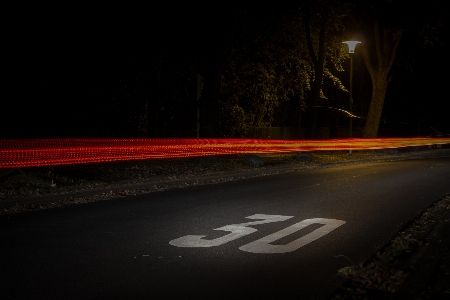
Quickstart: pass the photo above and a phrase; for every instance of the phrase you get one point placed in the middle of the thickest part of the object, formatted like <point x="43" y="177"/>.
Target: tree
<point x="265" y="68"/>
<point x="385" y="24"/>
<point x="323" y="22"/>
<point x="275" y="58"/>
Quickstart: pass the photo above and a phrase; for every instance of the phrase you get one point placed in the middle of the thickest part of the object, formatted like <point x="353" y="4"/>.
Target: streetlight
<point x="351" y="49"/>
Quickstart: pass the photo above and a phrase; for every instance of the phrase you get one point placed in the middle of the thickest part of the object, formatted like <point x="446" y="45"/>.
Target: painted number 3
<point x="263" y="245"/>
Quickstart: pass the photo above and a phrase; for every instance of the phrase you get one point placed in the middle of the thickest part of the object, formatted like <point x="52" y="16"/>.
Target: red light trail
<point x="21" y="153"/>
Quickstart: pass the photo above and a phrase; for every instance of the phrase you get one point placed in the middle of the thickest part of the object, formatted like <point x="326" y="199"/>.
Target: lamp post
<point x="351" y="49"/>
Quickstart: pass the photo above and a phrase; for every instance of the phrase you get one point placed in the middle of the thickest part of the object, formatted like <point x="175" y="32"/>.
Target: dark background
<point x="82" y="71"/>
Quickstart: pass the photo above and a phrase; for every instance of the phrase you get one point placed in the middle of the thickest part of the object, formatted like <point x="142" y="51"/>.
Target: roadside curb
<point x="426" y="271"/>
<point x="417" y="282"/>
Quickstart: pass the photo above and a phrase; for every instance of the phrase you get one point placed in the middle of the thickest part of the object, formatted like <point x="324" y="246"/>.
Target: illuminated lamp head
<point x="351" y="45"/>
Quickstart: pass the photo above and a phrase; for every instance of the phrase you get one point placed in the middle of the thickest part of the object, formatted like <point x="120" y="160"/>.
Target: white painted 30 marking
<point x="263" y="245"/>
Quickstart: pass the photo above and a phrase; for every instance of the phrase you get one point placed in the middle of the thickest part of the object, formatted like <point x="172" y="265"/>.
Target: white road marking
<point x="263" y="245"/>
<point x="237" y="231"/>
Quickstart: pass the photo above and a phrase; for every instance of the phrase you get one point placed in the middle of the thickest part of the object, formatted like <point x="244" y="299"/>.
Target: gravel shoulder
<point x="42" y="188"/>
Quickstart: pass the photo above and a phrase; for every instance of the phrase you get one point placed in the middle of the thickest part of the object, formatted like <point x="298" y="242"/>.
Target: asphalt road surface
<point x="273" y="237"/>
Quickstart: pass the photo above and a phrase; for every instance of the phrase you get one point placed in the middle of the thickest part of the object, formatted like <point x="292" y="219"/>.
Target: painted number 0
<point x="263" y="245"/>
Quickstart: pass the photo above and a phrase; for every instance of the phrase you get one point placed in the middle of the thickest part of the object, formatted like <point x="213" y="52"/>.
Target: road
<point x="273" y="237"/>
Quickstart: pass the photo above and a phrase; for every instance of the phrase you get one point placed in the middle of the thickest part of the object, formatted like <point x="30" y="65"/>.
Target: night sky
<point x="77" y="71"/>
